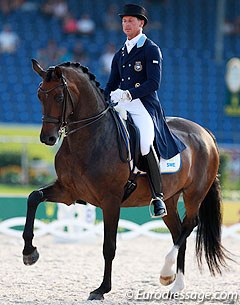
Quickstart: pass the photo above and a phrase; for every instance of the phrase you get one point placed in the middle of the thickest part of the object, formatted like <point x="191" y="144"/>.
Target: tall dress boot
<point x="155" y="181"/>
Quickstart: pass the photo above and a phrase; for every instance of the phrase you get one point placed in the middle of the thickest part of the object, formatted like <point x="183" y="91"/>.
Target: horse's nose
<point x="48" y="140"/>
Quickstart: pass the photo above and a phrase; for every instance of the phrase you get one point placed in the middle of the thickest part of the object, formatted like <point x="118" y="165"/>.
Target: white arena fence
<point x="69" y="230"/>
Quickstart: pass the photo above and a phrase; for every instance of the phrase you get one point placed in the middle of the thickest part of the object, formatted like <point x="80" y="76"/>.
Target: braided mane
<point x="85" y="70"/>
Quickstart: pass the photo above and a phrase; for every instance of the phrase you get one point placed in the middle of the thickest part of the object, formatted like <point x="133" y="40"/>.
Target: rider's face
<point x="132" y="26"/>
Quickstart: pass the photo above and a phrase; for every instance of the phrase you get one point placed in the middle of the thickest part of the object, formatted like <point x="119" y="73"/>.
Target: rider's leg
<point x="155" y="181"/>
<point x="143" y="121"/>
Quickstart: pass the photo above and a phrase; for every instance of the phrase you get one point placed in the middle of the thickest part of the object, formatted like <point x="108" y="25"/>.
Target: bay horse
<point x="89" y="168"/>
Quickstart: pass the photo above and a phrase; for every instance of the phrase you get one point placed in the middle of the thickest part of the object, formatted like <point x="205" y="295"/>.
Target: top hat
<point x="136" y="11"/>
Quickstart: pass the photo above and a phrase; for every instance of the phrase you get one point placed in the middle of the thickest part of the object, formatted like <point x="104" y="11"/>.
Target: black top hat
<point x="136" y="11"/>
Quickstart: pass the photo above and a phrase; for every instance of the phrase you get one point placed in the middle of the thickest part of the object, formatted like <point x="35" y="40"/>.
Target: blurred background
<point x="200" y="43"/>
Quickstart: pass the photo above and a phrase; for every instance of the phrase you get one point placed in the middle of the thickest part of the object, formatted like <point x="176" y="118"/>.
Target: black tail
<point x="209" y="231"/>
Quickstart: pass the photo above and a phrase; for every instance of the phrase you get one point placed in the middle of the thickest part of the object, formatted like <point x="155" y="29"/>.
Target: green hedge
<point x="10" y="158"/>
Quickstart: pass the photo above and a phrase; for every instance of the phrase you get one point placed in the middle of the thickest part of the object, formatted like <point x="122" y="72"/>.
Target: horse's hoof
<point x="95" y="296"/>
<point x="31" y="259"/>
<point x="167" y="280"/>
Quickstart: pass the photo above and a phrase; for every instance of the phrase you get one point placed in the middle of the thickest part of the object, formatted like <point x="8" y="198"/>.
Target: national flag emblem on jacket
<point x="138" y="66"/>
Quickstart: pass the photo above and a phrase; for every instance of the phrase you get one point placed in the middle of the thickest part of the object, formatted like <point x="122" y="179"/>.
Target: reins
<point x="92" y="120"/>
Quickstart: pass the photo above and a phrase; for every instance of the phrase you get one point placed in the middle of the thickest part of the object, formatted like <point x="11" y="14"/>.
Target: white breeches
<point x="143" y="121"/>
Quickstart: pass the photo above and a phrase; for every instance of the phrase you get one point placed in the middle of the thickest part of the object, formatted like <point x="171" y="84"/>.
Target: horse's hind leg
<point x="180" y="231"/>
<point x="188" y="224"/>
<point x="172" y="221"/>
<point x="53" y="193"/>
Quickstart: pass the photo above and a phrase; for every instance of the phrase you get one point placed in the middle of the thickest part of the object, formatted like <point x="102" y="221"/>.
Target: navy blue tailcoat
<point x="140" y="73"/>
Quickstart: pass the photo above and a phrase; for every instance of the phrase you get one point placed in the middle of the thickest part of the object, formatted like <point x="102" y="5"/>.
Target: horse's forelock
<point x="48" y="77"/>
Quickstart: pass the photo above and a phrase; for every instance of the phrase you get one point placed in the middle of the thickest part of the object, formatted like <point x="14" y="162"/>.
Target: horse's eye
<point x="59" y="99"/>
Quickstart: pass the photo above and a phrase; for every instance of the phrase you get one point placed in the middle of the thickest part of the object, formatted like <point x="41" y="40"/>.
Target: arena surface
<point x="67" y="272"/>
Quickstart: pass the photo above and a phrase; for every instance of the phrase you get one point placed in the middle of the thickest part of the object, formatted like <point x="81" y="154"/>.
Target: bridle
<point x="48" y="118"/>
<point x="67" y="97"/>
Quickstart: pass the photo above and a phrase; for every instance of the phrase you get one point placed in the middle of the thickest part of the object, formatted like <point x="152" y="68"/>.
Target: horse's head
<point x="53" y="94"/>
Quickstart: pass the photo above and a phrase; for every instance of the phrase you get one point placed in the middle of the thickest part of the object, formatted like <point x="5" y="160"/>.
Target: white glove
<point x="122" y="111"/>
<point x="120" y="96"/>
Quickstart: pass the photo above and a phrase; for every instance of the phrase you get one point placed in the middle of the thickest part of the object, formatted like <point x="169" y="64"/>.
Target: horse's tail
<point x="209" y="231"/>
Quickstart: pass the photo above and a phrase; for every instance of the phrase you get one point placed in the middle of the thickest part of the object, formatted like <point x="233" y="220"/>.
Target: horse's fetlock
<point x="109" y="255"/>
<point x="28" y="250"/>
<point x="105" y="288"/>
<point x="109" y="252"/>
<point x="27" y="236"/>
<point x="170" y="261"/>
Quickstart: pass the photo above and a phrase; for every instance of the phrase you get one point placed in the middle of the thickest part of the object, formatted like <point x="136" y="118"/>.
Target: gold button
<point x="137" y="85"/>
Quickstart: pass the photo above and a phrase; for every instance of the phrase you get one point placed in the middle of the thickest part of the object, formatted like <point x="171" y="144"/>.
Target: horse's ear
<point x="37" y="68"/>
<point x="58" y="72"/>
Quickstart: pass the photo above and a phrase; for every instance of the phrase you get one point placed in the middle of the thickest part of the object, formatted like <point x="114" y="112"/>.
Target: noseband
<point x="63" y="120"/>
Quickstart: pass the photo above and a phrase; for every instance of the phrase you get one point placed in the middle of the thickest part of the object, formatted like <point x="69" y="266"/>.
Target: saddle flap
<point x="128" y="135"/>
<point x="134" y="135"/>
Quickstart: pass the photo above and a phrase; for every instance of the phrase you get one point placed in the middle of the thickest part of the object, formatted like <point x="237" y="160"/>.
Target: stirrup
<point x="164" y="213"/>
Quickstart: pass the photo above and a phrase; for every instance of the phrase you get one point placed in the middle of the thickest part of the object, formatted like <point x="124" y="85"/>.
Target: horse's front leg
<point x="51" y="193"/>
<point x="30" y="254"/>
<point x="110" y="217"/>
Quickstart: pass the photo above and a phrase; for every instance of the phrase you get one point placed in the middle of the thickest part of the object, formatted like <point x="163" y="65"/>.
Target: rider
<point x="133" y="83"/>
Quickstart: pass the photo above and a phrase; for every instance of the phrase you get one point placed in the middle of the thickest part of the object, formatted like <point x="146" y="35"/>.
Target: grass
<point x="15" y="190"/>
<point x="20" y="137"/>
<point x="24" y="138"/>
<point x="19" y="130"/>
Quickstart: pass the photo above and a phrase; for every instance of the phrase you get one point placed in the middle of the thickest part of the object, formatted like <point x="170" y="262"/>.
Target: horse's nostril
<point x="52" y="139"/>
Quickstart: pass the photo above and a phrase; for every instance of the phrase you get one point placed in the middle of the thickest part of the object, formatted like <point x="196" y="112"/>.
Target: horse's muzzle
<point x="48" y="139"/>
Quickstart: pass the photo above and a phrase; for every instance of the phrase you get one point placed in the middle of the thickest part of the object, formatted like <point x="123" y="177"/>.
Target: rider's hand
<point x="120" y="96"/>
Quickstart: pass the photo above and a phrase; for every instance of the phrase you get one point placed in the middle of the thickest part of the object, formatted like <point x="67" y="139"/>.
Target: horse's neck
<point x="89" y="104"/>
<point x="92" y="137"/>
<point x="88" y="101"/>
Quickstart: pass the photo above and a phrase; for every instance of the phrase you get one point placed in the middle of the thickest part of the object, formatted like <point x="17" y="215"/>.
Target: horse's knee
<point x="34" y="199"/>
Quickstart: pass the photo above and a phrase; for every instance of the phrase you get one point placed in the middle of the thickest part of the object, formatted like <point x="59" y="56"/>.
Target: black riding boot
<point x="155" y="181"/>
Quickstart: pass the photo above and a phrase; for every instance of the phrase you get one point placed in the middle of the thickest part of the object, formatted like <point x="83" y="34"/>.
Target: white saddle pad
<point x="170" y="166"/>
